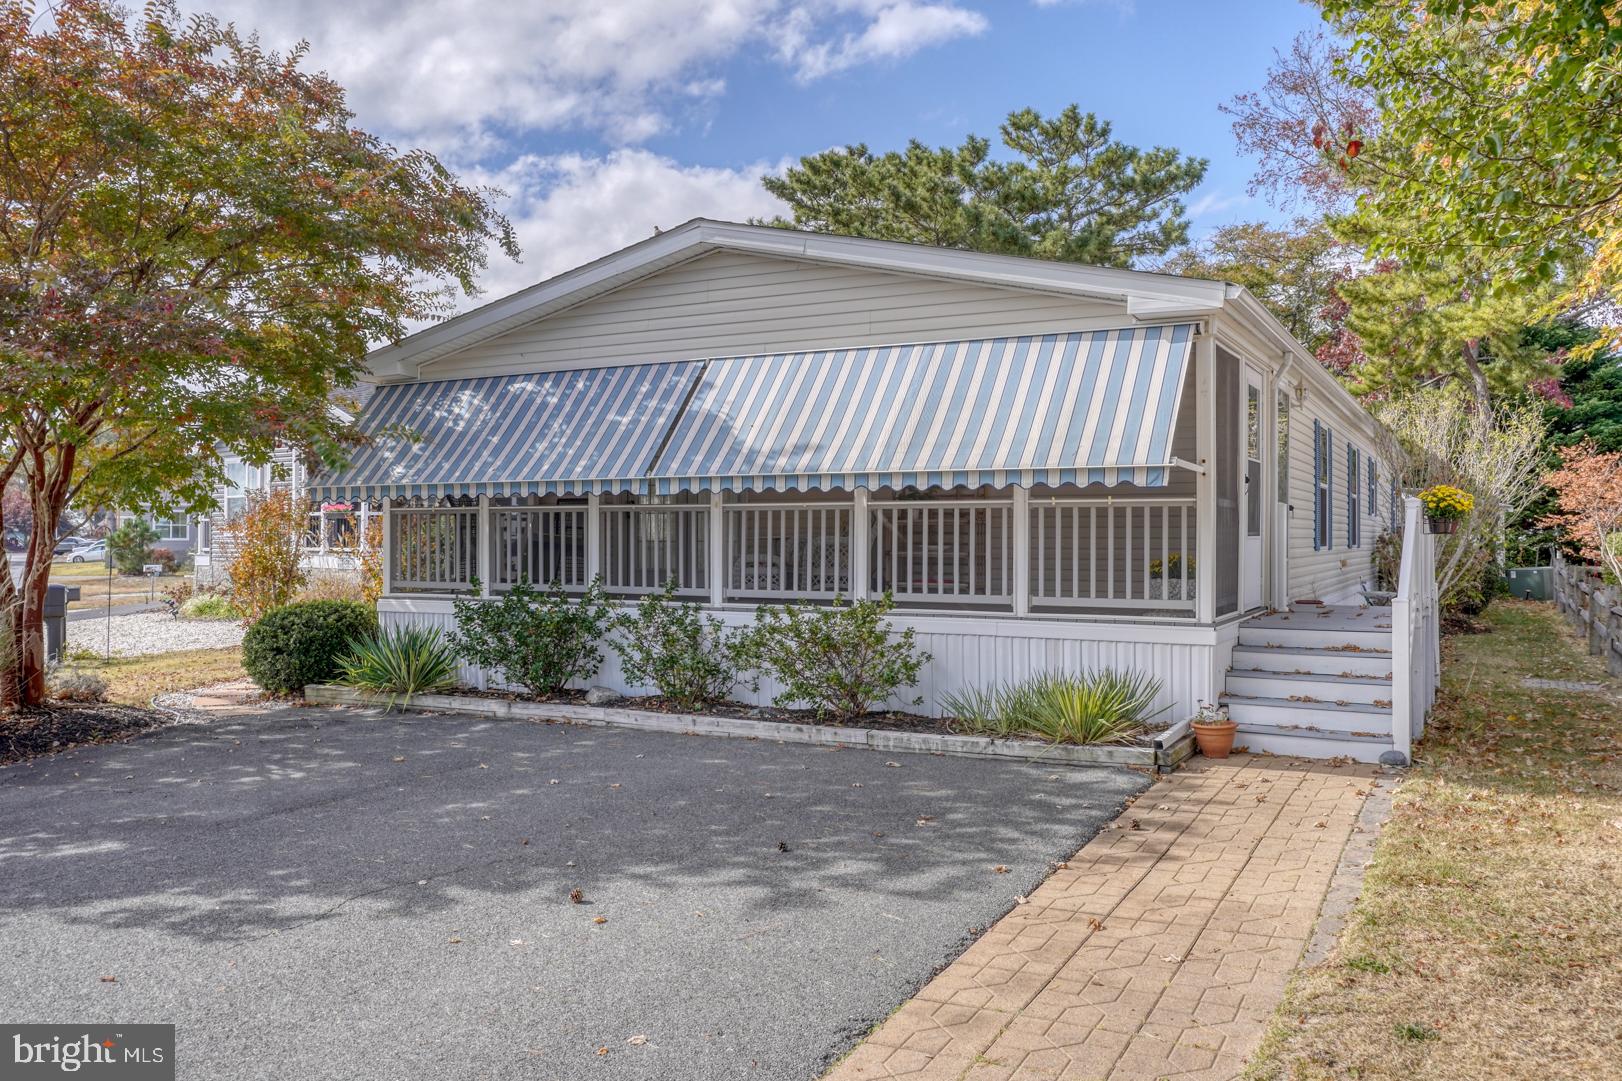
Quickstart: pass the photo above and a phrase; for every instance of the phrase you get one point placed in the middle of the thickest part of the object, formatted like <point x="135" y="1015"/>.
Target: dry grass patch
<point x="1486" y="942"/>
<point x="133" y="681"/>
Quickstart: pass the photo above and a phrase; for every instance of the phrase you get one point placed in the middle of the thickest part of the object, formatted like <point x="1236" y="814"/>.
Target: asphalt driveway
<point x="326" y="894"/>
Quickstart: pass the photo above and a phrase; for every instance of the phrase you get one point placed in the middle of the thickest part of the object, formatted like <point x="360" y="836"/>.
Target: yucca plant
<point x="1104" y="706"/>
<point x="400" y="661"/>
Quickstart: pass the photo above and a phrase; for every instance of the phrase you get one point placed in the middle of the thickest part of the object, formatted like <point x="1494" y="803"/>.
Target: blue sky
<point x="603" y="119"/>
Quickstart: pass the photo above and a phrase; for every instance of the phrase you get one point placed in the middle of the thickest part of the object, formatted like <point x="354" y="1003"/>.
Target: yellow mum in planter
<point x="1446" y="502"/>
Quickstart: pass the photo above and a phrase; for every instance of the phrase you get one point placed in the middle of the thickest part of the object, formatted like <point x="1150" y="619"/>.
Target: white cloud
<point x="888" y="31"/>
<point x="1215" y="202"/>
<point x="467" y="75"/>
<point x="570" y="209"/>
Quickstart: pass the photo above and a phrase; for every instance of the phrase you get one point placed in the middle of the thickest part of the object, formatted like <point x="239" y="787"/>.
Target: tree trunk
<point x="1478" y="377"/>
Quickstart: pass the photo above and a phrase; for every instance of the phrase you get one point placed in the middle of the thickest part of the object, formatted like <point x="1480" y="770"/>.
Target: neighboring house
<point x="334" y="536"/>
<point x="177" y="533"/>
<point x="1047" y="465"/>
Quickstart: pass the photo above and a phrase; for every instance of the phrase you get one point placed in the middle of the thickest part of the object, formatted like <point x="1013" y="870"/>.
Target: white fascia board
<point x="1159" y="296"/>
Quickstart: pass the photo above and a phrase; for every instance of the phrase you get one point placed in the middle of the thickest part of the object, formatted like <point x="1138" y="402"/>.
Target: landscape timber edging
<point x="701" y="724"/>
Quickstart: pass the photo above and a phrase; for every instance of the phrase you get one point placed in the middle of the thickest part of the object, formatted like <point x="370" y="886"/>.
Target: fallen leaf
<point x="1000" y="869"/>
<point x="602" y="1050"/>
<point x="637" y="1041"/>
<point x="1173" y="959"/>
<point x="454" y="941"/>
<point x="399" y="758"/>
<point x="109" y="979"/>
<point x="1020" y="900"/>
<point x="1095" y="923"/>
<point x="599" y="919"/>
<point x="782" y="846"/>
<point x="893" y="765"/>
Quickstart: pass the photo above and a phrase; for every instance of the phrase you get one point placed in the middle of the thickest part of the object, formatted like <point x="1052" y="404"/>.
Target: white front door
<point x="1256" y="500"/>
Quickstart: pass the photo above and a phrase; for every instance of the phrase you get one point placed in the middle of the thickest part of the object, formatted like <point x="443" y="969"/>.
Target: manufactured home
<point x="1048" y="466"/>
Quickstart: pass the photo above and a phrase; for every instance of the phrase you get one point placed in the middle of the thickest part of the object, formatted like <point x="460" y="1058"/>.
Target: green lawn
<point x="1487" y="943"/>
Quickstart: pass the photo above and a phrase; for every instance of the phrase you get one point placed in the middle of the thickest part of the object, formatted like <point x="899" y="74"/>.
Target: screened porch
<point x="1009" y="551"/>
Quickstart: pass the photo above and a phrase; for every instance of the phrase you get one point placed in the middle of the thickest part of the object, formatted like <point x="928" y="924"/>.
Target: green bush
<point x="209" y="606"/>
<point x="669" y="644"/>
<point x="163" y="557"/>
<point x="302" y="643"/>
<point x="400" y="661"/>
<point x="840" y="660"/>
<point x="128" y="545"/>
<point x="540" y="641"/>
<point x="1105" y="706"/>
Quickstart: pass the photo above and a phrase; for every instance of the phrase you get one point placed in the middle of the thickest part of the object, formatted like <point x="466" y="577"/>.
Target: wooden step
<point x="1306" y="636"/>
<point x="1354" y="718"/>
<point x="1306" y="743"/>
<point x="1369" y="690"/>
<point x="1327" y="662"/>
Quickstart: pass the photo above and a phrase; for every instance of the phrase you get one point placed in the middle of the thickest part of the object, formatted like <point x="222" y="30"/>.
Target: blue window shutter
<point x="1317" y="476"/>
<point x="1351" y="496"/>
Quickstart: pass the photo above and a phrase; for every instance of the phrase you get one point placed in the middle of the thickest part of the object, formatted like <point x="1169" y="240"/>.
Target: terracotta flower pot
<point x="1215" y="738"/>
<point x="1441" y="525"/>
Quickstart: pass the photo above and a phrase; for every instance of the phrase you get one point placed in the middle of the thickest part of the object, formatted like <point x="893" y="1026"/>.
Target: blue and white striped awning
<point x="595" y="429"/>
<point x="1081" y="408"/>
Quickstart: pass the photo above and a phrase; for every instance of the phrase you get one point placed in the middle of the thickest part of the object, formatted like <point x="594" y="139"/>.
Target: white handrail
<point x="1415" y="632"/>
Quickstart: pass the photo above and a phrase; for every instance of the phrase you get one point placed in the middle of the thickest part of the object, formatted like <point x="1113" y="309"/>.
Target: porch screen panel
<point x="1228" y="434"/>
<point x="1080" y="408"/>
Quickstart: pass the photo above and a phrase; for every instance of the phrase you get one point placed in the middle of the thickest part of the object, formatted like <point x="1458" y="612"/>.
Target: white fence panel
<point x="643" y="548"/>
<point x="1113" y="553"/>
<point x="436" y="549"/>
<point x="539" y="545"/>
<point x="779" y="551"/>
<point x="944" y="553"/>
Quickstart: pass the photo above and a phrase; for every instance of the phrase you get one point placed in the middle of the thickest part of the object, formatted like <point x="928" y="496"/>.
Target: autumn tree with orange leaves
<point x="1588" y="492"/>
<point x="197" y="247"/>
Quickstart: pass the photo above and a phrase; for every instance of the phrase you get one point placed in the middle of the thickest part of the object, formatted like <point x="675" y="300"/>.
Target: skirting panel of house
<point x="968" y="651"/>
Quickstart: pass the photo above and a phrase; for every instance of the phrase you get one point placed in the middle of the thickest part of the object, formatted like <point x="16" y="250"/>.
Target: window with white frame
<point x="242" y="481"/>
<point x="175" y="527"/>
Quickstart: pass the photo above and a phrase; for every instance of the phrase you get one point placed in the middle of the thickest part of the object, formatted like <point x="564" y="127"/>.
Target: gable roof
<point x="1144" y="295"/>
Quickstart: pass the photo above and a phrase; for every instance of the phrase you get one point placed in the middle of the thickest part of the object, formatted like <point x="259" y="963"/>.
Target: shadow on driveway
<point x="340" y="894"/>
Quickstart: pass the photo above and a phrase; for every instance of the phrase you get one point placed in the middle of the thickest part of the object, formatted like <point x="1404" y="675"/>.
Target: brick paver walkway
<point x="1159" y="951"/>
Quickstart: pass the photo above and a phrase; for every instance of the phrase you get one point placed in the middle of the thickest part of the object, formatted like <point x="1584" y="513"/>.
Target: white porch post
<point x="1022" y="551"/>
<point x="859" y="545"/>
<point x="594" y="532"/>
<point x="485" y="551"/>
<point x="717" y="569"/>
<point x="1205" y="483"/>
<point x="388" y="545"/>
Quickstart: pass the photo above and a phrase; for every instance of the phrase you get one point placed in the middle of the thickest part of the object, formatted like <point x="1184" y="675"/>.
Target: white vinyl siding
<point x="730" y="304"/>
<point x="1334" y="571"/>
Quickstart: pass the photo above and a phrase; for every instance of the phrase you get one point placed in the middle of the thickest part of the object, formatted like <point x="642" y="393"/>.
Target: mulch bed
<point x="59" y="726"/>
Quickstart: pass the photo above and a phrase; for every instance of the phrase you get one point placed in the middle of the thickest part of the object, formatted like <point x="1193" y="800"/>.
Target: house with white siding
<point x="1048" y="466"/>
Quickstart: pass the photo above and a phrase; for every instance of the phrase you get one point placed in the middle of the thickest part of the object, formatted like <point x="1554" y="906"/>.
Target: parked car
<point x="68" y="544"/>
<point x="95" y="550"/>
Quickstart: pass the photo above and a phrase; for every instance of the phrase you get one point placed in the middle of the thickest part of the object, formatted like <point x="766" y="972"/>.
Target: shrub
<point x="209" y="606"/>
<point x="669" y="644"/>
<point x="540" y="641"/>
<point x="400" y="661"/>
<point x="127" y="546"/>
<point x="371" y="560"/>
<point x="333" y="586"/>
<point x="76" y="685"/>
<point x="1104" y="706"/>
<point x="1387" y="561"/>
<point x="302" y="643"/>
<point x="164" y="558"/>
<point x="840" y="660"/>
<point x="264" y="546"/>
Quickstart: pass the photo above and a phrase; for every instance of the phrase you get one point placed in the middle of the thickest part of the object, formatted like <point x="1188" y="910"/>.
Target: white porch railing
<point x="1113" y="553"/>
<point x="435" y="549"/>
<point x="540" y="545"/>
<point x="1135" y="556"/>
<point x="642" y="548"/>
<point x="776" y="551"/>
<point x="955" y="552"/>
<point x="1416" y="647"/>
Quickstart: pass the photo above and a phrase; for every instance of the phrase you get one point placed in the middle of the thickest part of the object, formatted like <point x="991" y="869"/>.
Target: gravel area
<point x="332" y="895"/>
<point x="153" y="632"/>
